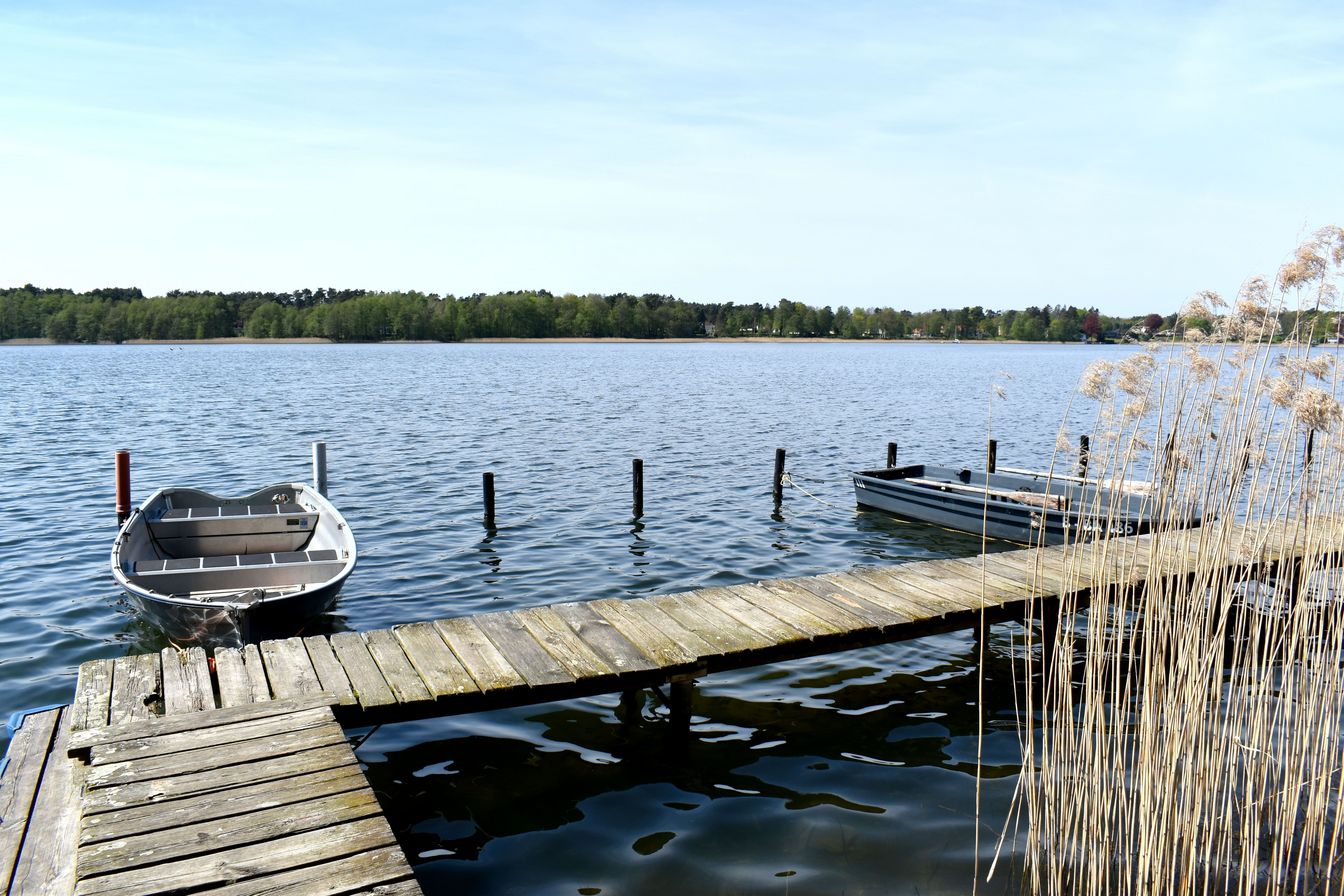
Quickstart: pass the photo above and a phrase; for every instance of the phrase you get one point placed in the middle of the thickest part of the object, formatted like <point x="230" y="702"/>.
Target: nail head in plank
<point x="522" y="650"/>
<point x="437" y="665"/>
<point x="93" y="695"/>
<point x="599" y="634"/>
<point x="397" y="670"/>
<point x="329" y="670"/>
<point x="479" y="656"/>
<point x="367" y="681"/>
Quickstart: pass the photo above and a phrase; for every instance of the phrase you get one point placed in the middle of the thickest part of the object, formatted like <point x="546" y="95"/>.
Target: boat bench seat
<point x="242" y="529"/>
<point x="240" y="571"/>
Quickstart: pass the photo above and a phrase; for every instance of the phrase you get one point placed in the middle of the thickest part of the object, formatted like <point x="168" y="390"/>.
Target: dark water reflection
<point x="849" y="773"/>
<point x="853" y="775"/>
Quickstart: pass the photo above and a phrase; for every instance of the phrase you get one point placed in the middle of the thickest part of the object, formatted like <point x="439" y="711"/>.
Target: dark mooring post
<point x="123" y="485"/>
<point x="488" y="489"/>
<point x="891" y="454"/>
<point x="680" y="691"/>
<point x="993" y="461"/>
<point x="779" y="475"/>
<point x="1084" y="449"/>
<point x="1306" y="457"/>
<point x="637" y="485"/>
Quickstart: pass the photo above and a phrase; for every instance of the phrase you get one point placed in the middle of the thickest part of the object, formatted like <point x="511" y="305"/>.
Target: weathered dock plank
<point x="93" y="695"/>
<point x="602" y="638"/>
<point x="271" y="800"/>
<point x="439" y="668"/>
<point x="563" y="643"/>
<point x="522" y="651"/>
<point x="371" y="689"/>
<point x="398" y="672"/>
<point x="329" y="670"/>
<point x="289" y="669"/>
<point x="45" y="864"/>
<point x="39" y="811"/>
<point x="135" y="687"/>
<point x="479" y="656"/>
<point x="747" y="614"/>
<point x="186" y="680"/>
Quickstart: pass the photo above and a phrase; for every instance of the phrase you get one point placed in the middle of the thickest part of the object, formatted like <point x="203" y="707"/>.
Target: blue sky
<point x="916" y="155"/>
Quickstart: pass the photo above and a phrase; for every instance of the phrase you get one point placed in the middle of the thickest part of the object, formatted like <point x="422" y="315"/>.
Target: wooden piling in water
<point x="891" y="454"/>
<point x="488" y="490"/>
<point x="779" y="475"/>
<point x="993" y="459"/>
<point x="320" y="467"/>
<point x="1084" y="449"/>
<point x="637" y="485"/>
<point x="123" y="463"/>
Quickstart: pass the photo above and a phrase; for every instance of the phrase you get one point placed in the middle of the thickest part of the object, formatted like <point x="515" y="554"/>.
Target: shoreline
<point x="557" y="340"/>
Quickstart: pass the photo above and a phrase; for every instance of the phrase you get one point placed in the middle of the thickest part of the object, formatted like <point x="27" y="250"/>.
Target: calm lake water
<point x="852" y="773"/>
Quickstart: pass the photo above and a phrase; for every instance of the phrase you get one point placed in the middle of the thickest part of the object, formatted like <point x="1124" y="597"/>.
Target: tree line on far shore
<point x="119" y="314"/>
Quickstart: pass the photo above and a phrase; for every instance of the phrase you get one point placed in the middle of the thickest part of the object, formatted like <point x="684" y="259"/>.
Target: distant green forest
<point x="118" y="314"/>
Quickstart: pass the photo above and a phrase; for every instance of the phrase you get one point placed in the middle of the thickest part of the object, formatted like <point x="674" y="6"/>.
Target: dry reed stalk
<point x="1187" y="735"/>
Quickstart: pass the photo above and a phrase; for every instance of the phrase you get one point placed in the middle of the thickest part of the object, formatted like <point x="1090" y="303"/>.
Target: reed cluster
<point x="1184" y="727"/>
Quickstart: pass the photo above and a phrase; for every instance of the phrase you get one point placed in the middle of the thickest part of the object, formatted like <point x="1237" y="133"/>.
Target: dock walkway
<point x="233" y="774"/>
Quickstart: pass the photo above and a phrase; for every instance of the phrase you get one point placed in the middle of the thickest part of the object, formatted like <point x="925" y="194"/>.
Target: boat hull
<point x="1024" y="510"/>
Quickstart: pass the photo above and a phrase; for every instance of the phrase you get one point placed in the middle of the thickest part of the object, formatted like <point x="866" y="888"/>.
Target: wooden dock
<point x="233" y="775"/>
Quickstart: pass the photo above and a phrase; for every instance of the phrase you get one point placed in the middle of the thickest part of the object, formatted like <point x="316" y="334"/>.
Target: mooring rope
<point x="789" y="480"/>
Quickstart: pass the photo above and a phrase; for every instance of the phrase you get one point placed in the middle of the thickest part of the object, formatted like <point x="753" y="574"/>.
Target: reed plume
<point x="1183" y="732"/>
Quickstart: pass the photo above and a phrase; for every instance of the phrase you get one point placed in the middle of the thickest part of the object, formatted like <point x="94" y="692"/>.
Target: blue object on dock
<point x="16" y="722"/>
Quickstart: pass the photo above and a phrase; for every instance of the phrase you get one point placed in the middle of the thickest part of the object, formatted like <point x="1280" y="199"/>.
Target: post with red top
<point x="123" y="485"/>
